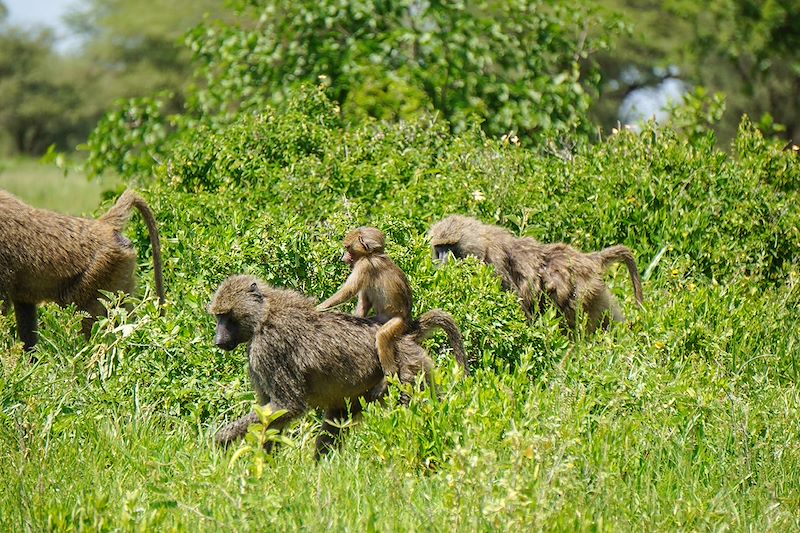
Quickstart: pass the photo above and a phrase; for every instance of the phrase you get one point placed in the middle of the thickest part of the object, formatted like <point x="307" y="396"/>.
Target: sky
<point x="29" y="13"/>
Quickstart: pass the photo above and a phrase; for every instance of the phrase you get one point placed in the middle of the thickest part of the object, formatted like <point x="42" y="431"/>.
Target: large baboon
<point x="47" y="256"/>
<point x="570" y="278"/>
<point x="301" y="358"/>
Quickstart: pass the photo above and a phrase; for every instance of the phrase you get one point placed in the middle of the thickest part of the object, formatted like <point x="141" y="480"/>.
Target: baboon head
<point x="458" y="236"/>
<point x="362" y="242"/>
<point x="239" y="307"/>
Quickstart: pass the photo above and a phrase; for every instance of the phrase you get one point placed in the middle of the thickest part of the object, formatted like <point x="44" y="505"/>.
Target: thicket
<point x="685" y="418"/>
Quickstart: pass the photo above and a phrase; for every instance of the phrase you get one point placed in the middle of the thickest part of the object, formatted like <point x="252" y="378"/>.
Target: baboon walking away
<point x="48" y="256"/>
<point x="539" y="272"/>
<point x="300" y="358"/>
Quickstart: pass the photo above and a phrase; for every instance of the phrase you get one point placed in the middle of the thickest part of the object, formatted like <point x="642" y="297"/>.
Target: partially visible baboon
<point x="381" y="286"/>
<point x="301" y="358"/>
<point x="47" y="256"/>
<point x="569" y="278"/>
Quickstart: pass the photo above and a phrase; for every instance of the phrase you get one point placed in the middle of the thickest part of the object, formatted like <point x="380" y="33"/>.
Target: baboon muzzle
<point x="442" y="253"/>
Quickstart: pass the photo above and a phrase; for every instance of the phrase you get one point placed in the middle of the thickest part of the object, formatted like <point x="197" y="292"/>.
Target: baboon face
<point x="237" y="309"/>
<point x="361" y="242"/>
<point x="443" y="252"/>
<point x="230" y="332"/>
<point x="446" y="239"/>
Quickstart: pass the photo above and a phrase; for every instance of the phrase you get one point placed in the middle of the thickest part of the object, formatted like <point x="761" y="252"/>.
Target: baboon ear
<point x="254" y="290"/>
<point x="363" y="243"/>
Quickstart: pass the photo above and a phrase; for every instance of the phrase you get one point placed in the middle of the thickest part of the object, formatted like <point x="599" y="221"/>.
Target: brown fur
<point x="47" y="256"/>
<point x="569" y="278"/>
<point x="301" y="358"/>
<point x="381" y="286"/>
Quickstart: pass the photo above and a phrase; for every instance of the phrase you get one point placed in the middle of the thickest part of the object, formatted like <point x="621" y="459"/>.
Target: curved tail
<point x="422" y="328"/>
<point x="622" y="254"/>
<point x="118" y="216"/>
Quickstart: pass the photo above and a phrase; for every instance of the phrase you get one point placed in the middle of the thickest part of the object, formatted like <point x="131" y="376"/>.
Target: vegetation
<point x="745" y="50"/>
<point x="686" y="419"/>
<point x="54" y="97"/>
<point x="514" y="65"/>
<point x="526" y="67"/>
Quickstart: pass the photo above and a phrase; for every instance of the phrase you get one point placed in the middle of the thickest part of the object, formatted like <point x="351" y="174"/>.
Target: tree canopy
<point x="537" y="69"/>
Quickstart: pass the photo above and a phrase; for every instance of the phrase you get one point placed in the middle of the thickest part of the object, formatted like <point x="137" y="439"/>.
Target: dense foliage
<point x="515" y="65"/>
<point x="529" y="67"/>
<point x="685" y="419"/>
<point x="746" y="50"/>
<point x="52" y="95"/>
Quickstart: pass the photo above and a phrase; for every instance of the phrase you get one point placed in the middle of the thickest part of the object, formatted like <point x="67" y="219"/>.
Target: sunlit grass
<point x="45" y="186"/>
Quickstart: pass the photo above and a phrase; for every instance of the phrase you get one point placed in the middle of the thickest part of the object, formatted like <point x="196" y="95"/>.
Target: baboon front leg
<point x="238" y="428"/>
<point x="235" y="430"/>
<point x="385" y="340"/>
<point x="26" y="324"/>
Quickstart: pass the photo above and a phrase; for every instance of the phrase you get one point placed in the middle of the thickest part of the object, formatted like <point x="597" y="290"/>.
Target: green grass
<point x="45" y="186"/>
<point x="618" y="434"/>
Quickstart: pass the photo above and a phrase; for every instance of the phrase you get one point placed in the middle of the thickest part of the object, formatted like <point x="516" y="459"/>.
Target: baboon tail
<point x="436" y="318"/>
<point x="119" y="215"/>
<point x="623" y="254"/>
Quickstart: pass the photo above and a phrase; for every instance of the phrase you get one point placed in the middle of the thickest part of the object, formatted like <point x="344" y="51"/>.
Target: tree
<point x="37" y="106"/>
<point x="134" y="49"/>
<point x="750" y="50"/>
<point x="516" y="65"/>
<point x="745" y="49"/>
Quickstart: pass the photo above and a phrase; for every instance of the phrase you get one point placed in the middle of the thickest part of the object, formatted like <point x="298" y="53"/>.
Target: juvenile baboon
<point x="301" y="358"/>
<point x="569" y="278"/>
<point x="380" y="285"/>
<point x="47" y="256"/>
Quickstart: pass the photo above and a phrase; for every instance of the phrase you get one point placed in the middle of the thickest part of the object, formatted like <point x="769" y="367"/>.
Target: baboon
<point x="47" y="256"/>
<point x="569" y="278"/>
<point x="301" y="358"/>
<point x="380" y="286"/>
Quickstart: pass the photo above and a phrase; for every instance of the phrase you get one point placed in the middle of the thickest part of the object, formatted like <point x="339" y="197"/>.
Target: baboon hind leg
<point x="602" y="309"/>
<point x="331" y="429"/>
<point x="26" y="323"/>
<point x="385" y="340"/>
